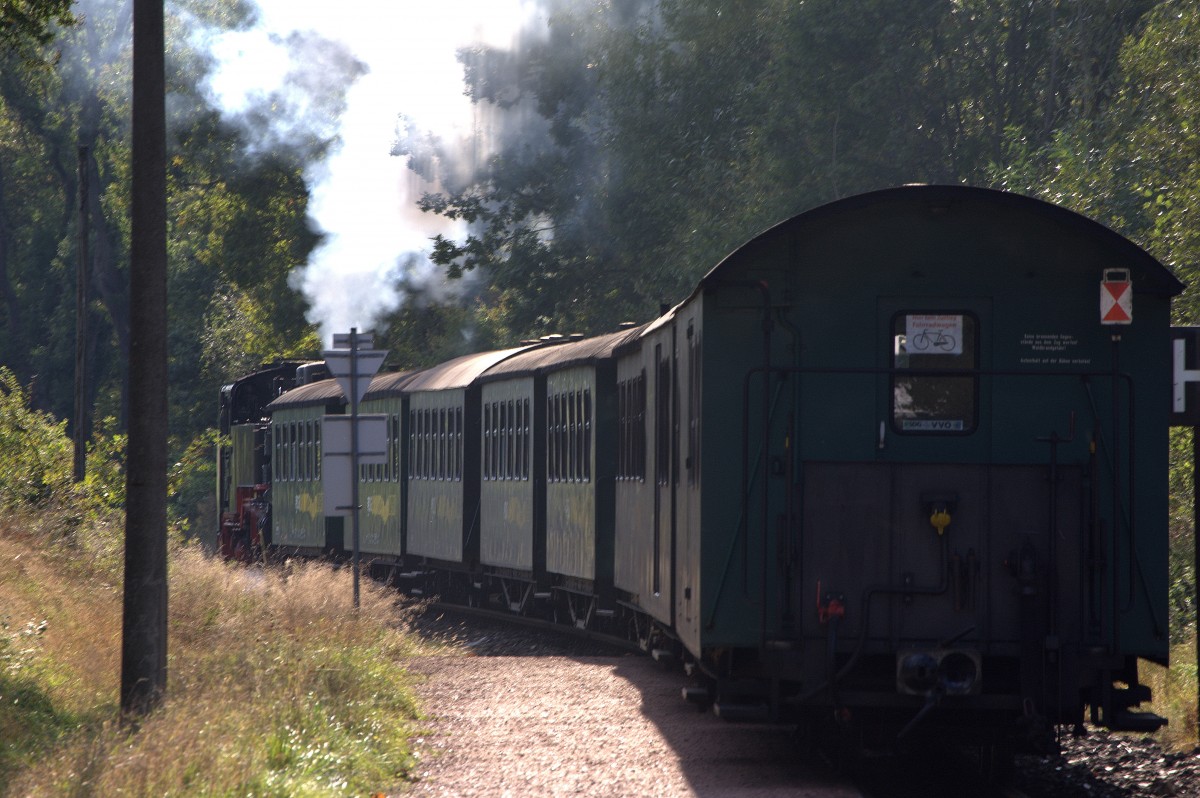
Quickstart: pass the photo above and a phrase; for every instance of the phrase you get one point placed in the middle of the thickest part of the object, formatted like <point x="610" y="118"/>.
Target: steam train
<point x="890" y="470"/>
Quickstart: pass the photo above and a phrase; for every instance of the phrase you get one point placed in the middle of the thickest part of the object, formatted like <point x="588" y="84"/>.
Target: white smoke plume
<point x="355" y="71"/>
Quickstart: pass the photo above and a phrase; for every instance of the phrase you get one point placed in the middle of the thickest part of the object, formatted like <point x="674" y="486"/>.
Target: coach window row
<point x="569" y="436"/>
<point x="631" y="428"/>
<point x="436" y="443"/>
<point x="389" y="471"/>
<point x="296" y="451"/>
<point x="506" y="436"/>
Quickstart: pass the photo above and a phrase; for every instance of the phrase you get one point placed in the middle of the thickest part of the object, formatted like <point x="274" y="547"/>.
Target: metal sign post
<point x="353" y="363"/>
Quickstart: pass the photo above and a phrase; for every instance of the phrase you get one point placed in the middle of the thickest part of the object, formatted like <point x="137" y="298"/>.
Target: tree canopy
<point x="624" y="147"/>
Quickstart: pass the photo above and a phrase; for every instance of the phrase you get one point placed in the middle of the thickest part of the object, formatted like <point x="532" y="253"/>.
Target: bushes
<point x="34" y="449"/>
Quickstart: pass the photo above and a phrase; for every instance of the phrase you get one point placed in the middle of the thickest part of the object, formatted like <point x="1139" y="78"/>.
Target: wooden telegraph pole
<point x="144" y="637"/>
<point x="79" y="434"/>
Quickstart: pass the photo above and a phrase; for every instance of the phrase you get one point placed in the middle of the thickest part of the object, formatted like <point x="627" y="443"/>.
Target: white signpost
<point x="353" y="363"/>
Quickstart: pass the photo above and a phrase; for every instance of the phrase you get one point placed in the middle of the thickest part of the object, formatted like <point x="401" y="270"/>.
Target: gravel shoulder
<point x="515" y="712"/>
<point x="592" y="725"/>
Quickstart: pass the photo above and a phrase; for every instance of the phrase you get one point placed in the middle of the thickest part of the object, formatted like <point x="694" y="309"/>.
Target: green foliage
<point x="31" y="22"/>
<point x="651" y="138"/>
<point x="104" y="482"/>
<point x="1181" y="592"/>
<point x="191" y="486"/>
<point x="34" y="448"/>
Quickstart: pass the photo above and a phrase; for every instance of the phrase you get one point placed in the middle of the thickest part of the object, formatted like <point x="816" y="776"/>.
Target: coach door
<point x="663" y="463"/>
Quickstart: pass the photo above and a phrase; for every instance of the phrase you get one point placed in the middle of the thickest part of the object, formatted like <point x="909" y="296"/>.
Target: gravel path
<point x="595" y="726"/>
<point x="520" y="712"/>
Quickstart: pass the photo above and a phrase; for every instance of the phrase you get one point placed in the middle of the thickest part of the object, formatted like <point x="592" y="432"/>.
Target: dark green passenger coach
<point x="905" y="465"/>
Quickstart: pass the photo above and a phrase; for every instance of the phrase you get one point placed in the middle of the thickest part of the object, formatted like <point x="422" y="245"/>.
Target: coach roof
<point x="458" y="373"/>
<point x="560" y="356"/>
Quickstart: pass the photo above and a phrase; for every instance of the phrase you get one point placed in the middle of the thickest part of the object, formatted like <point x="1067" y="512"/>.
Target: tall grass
<point x="277" y="687"/>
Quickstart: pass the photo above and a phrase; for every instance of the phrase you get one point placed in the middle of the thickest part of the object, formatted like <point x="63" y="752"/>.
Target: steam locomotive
<point x="896" y="469"/>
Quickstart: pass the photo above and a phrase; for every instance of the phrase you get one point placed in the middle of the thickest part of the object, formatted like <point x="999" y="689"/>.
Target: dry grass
<point x="1174" y="692"/>
<point x="277" y="687"/>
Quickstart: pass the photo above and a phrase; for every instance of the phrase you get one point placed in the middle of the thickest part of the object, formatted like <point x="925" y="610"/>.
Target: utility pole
<point x="80" y="433"/>
<point x="144" y="632"/>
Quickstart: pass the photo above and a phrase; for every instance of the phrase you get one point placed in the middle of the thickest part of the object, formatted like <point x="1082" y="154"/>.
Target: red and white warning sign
<point x="1116" y="297"/>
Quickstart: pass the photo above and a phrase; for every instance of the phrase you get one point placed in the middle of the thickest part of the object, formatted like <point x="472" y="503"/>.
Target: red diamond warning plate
<point x="1116" y="302"/>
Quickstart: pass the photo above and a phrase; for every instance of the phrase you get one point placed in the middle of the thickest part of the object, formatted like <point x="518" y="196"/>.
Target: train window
<point x="940" y="403"/>
<point x="511" y="434"/>
<point x="494" y="456"/>
<point x="424" y="464"/>
<point x="559" y="412"/>
<point x="435" y="444"/>
<point x="487" y="442"/>
<point x="303" y="452"/>
<point x="458" y="443"/>
<point x="518" y="439"/>
<point x="414" y="436"/>
<point x="309" y="436"/>
<point x="572" y="440"/>
<point x="301" y="449"/>
<point x="393" y="467"/>
<point x="525" y="428"/>
<point x="442" y="441"/>
<point x="631" y="422"/>
<point x="317" y="452"/>
<point x="310" y="459"/>
<point x="587" y="435"/>
<point x="412" y="449"/>
<point x="292" y="450"/>
<point x="505" y="440"/>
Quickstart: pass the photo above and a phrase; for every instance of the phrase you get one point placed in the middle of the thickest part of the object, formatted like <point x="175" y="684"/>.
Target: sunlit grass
<point x="277" y="687"/>
<point x="1174" y="693"/>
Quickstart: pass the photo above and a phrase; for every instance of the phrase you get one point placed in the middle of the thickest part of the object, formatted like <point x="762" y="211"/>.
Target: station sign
<point x="1185" y="376"/>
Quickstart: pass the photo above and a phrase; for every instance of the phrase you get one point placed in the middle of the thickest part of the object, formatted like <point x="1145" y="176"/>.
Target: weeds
<point x="277" y="687"/>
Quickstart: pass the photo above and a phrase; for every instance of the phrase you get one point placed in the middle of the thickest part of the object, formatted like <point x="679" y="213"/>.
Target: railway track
<point x="540" y="624"/>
